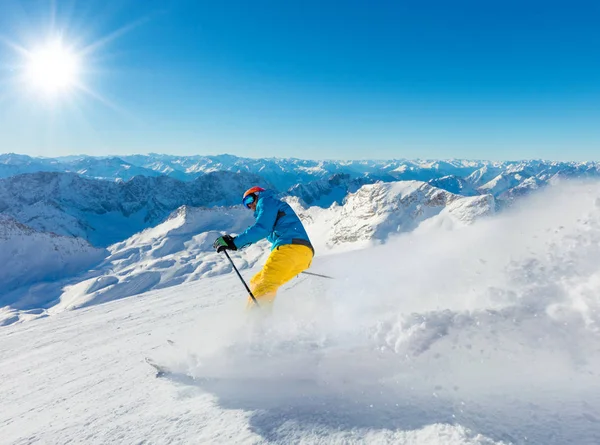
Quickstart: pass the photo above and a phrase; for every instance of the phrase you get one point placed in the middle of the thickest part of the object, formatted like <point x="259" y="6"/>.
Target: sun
<point x="52" y="68"/>
<point x="58" y="68"/>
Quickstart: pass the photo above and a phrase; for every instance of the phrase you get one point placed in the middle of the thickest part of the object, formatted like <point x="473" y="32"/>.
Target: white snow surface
<point x="485" y="334"/>
<point x="28" y="257"/>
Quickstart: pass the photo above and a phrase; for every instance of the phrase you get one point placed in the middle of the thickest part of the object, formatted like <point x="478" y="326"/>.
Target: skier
<point x="291" y="251"/>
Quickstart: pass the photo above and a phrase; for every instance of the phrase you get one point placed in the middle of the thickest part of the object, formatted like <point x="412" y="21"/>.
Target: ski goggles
<point x="249" y="200"/>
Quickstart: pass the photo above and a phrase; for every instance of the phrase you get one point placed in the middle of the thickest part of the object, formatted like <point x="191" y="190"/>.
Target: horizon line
<point x="149" y="154"/>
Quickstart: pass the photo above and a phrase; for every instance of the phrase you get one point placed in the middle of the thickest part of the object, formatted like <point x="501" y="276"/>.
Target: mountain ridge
<point x="105" y="212"/>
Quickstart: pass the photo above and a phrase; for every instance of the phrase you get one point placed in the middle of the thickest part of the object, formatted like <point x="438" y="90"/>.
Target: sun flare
<point x="52" y="68"/>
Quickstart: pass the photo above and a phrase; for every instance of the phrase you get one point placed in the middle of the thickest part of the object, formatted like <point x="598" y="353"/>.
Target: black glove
<point x="224" y="242"/>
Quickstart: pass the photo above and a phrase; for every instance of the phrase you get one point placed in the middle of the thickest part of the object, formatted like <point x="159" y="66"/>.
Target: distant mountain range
<point x="308" y="179"/>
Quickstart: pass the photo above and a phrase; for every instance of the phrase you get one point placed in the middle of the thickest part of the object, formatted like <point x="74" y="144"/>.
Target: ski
<point x="161" y="370"/>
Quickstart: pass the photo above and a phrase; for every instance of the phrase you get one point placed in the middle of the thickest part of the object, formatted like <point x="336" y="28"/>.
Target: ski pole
<point x="238" y="274"/>
<point x="318" y="275"/>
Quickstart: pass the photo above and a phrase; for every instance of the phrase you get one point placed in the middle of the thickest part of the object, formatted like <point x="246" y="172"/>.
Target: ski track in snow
<point x="489" y="335"/>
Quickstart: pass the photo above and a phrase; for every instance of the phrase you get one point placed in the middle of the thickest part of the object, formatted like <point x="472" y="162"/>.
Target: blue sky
<point x="310" y="79"/>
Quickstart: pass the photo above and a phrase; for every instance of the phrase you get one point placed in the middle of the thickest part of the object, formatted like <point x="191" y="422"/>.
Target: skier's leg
<point x="265" y="283"/>
<point x="283" y="264"/>
<point x="257" y="278"/>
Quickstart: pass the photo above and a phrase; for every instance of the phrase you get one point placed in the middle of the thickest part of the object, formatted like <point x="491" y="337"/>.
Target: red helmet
<point x="251" y="195"/>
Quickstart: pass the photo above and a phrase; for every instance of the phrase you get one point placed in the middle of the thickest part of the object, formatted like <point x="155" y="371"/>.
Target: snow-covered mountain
<point x="29" y="257"/>
<point x="105" y="212"/>
<point x="483" y="175"/>
<point x="425" y="170"/>
<point x="454" y="184"/>
<point x="324" y="192"/>
<point x="111" y="168"/>
<point x="12" y="164"/>
<point x="285" y="173"/>
<point x="497" y="178"/>
<point x="377" y="211"/>
<point x="503" y="182"/>
<point x="522" y="178"/>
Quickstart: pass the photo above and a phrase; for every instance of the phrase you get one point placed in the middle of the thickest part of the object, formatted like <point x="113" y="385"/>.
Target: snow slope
<point x="29" y="257"/>
<point x="484" y="335"/>
<point x="176" y="251"/>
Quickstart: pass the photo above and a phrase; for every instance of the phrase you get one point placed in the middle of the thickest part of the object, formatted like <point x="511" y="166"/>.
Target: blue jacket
<point x="276" y="221"/>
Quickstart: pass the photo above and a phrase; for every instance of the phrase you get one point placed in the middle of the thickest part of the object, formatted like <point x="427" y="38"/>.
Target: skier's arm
<point x="266" y="214"/>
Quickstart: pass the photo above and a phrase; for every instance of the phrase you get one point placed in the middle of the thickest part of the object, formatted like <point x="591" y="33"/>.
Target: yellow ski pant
<point x="284" y="263"/>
